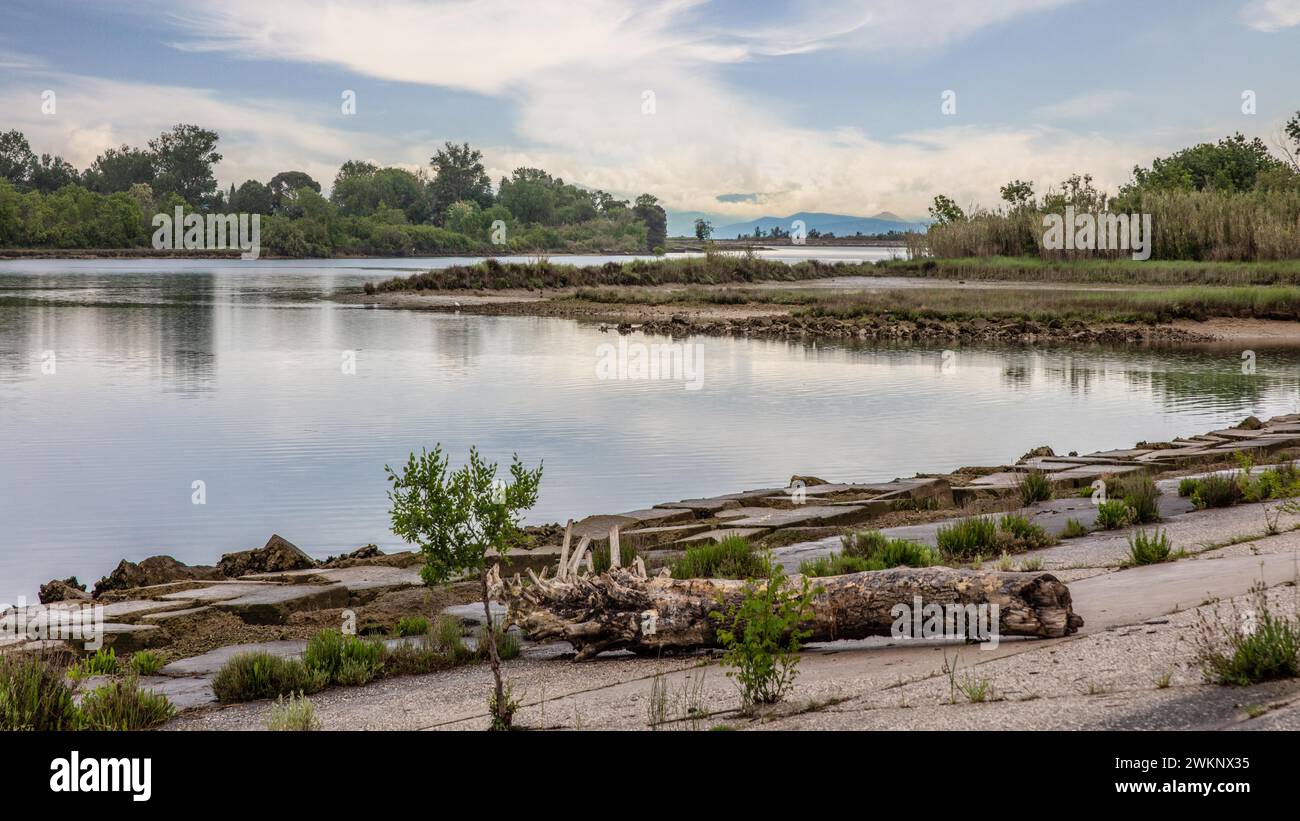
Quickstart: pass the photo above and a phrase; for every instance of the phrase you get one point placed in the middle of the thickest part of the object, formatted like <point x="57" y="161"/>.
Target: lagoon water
<point x="167" y="373"/>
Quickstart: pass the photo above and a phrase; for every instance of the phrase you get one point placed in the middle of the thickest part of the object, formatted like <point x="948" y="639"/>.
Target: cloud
<point x="1271" y="15"/>
<point x="1090" y="104"/>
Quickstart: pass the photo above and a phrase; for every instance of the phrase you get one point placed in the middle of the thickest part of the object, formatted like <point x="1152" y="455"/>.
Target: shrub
<point x="1239" y="654"/>
<point x="1016" y="532"/>
<point x="296" y="714"/>
<point x="1034" y="487"/>
<point x="412" y="626"/>
<point x="1031" y="565"/>
<point x="346" y="660"/>
<point x="731" y="558"/>
<point x="968" y="538"/>
<point x="1144" y="549"/>
<point x="761" y="636"/>
<point x="1140" y="494"/>
<point x="102" y="663"/>
<point x="836" y="564"/>
<point x="1216" y="490"/>
<point x="881" y="552"/>
<point x="507" y="641"/>
<point x="1113" y="513"/>
<point x="258" y="674"/>
<point x="448" y="639"/>
<point x="600" y="556"/>
<point x="146" y="663"/>
<point x="122" y="705"/>
<point x="1074" y="529"/>
<point x="414" y="658"/>
<point x="1187" y="486"/>
<point x="34" y="694"/>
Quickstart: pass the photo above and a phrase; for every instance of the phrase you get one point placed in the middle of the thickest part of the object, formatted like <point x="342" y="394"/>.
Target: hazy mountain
<point x="682" y="224"/>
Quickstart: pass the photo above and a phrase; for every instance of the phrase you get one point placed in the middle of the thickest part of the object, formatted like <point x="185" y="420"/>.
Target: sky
<point x="731" y="109"/>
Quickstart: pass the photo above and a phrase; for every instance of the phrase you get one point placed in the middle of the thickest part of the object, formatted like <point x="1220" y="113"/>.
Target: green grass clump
<point x="1016" y="533"/>
<point x="346" y="660"/>
<point x="1148" y="549"/>
<point x="600" y="556"/>
<point x="1281" y="482"/>
<point x="412" y="626"/>
<point x="146" y="663"/>
<point x="1140" y="494"/>
<point x="258" y="674"/>
<point x="507" y="642"/>
<point x="448" y="639"/>
<point x="1187" y="486"/>
<point x="34" y="694"/>
<point x="1263" y="648"/>
<point x="414" y="658"/>
<point x="836" y="564"/>
<point x="1216" y="490"/>
<point x="882" y="552"/>
<point x="1034" y="487"/>
<point x="731" y="558"/>
<point x="1074" y="529"/>
<point x="1113" y="513"/>
<point x="122" y="705"/>
<point x="103" y="663"/>
<point x="967" y="538"/>
<point x="295" y="714"/>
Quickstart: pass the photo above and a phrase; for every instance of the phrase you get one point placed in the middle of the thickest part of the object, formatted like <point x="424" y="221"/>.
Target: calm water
<point x="167" y="373"/>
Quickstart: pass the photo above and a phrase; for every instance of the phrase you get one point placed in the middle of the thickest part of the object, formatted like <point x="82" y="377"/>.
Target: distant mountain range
<point x="682" y="224"/>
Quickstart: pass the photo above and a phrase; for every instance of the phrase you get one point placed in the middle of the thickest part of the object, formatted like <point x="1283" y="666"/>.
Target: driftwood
<point x="624" y="609"/>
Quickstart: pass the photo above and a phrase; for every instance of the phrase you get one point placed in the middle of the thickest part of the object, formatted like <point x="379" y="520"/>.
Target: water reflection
<point x="232" y="376"/>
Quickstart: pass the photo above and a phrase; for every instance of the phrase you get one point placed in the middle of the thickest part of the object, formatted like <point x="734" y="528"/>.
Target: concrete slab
<point x="210" y="662"/>
<point x="129" y="611"/>
<point x="216" y="592"/>
<point x="722" y="533"/>
<point x="805" y="516"/>
<point x="168" y="615"/>
<point x="471" y="615"/>
<point x="125" y="638"/>
<point x="703" y="507"/>
<point x="273" y="604"/>
<point x="652" y="537"/>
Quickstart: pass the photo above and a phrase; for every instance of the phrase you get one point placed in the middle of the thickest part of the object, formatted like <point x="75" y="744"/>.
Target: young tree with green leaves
<point x="458" y="519"/>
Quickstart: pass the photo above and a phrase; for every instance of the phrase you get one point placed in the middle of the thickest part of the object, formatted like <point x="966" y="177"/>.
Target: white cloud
<point x="1271" y="15"/>
<point x="1091" y="104"/>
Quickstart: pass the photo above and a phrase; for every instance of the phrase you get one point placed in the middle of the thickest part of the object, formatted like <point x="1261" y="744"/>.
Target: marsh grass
<point x="1034" y="487"/>
<point x="732" y="558"/>
<point x="34" y="693"/>
<point x="294" y="714"/>
<point x="121" y="704"/>
<point x="1250" y="647"/>
<point x="1144" y="548"/>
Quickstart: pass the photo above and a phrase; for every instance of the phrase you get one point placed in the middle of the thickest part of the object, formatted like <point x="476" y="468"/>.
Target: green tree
<point x="118" y="169"/>
<point x="1232" y="164"/>
<point x="458" y="519"/>
<point x="945" y="212"/>
<point x="251" y="198"/>
<point x="50" y="173"/>
<point x="1019" y="194"/>
<point x="16" y="159"/>
<point x="184" y="157"/>
<point x="649" y="211"/>
<point x="458" y="174"/>
<point x="285" y="184"/>
<point x="703" y="228"/>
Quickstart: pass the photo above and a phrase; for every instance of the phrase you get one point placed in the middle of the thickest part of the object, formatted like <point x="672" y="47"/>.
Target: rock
<point x="151" y="571"/>
<point x="370" y="551"/>
<point x="1250" y="423"/>
<point x="63" y="590"/>
<point x="278" y="554"/>
<point x="1041" y="450"/>
<point x="808" y="481"/>
<point x="274" y="604"/>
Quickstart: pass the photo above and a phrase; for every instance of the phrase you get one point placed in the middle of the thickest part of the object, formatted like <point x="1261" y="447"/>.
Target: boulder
<point x="1041" y="450"/>
<point x="68" y="589"/>
<point x="1250" y="423"/>
<point x="151" y="571"/>
<point x="279" y="554"/>
<point x="806" y="481"/>
<point x="370" y="551"/>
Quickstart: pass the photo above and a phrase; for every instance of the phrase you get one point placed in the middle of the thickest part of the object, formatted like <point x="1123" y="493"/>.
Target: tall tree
<point x="184" y="158"/>
<point x="52" y="173"/>
<point x="458" y="174"/>
<point x="285" y="183"/>
<point x="118" y="169"/>
<point x="649" y="211"/>
<point x="16" y="158"/>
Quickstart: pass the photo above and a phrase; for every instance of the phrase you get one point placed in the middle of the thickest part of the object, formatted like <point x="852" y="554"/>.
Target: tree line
<point x="1234" y="199"/>
<point x="448" y="207"/>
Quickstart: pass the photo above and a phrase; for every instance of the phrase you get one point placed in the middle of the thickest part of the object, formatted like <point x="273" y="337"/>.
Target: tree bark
<point x="623" y="609"/>
<point x="500" y="708"/>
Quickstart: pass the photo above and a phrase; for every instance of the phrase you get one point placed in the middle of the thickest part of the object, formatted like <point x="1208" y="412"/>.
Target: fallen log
<point x="623" y="609"/>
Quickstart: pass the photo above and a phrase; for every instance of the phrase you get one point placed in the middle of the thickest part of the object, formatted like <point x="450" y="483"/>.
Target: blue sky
<point x="758" y="109"/>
